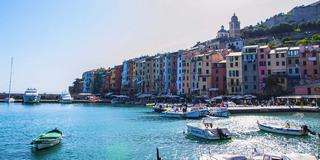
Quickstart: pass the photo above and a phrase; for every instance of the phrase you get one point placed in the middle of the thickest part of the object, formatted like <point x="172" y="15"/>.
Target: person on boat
<point x="287" y="125"/>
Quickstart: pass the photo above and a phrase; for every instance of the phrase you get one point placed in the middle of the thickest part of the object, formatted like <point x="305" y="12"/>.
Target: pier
<point x="270" y="109"/>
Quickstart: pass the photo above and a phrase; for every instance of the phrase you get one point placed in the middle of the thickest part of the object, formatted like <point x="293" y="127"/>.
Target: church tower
<point x="234" y="26"/>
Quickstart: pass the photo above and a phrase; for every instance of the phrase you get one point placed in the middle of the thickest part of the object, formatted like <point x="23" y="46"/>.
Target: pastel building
<point x="170" y="73"/>
<point x="88" y="81"/>
<point x="187" y="63"/>
<point x="158" y="73"/>
<point x="218" y="76"/>
<point x="115" y="80"/>
<point x="277" y="65"/>
<point x="234" y="73"/>
<point x="309" y="63"/>
<point x="250" y="69"/>
<point x="262" y="66"/>
<point x="180" y="72"/>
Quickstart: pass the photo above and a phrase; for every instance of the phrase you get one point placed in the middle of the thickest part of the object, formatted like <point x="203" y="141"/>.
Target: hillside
<point x="302" y="22"/>
<point x="298" y="15"/>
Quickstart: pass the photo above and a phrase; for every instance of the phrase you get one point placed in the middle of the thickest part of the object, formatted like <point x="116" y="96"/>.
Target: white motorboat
<point x="220" y="112"/>
<point x="65" y="97"/>
<point x="208" y="131"/>
<point x="31" y="95"/>
<point x="193" y="114"/>
<point x="223" y="157"/>
<point x="292" y="156"/>
<point x="173" y="114"/>
<point x="48" y="139"/>
<point x="288" y="129"/>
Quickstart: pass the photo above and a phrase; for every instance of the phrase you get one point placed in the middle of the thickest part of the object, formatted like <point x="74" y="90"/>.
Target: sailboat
<point x="9" y="99"/>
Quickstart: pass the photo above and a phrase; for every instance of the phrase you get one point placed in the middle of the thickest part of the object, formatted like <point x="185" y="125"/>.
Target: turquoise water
<point x="108" y="132"/>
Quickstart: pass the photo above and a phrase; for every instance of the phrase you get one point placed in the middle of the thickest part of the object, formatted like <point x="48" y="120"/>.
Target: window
<point x="245" y="87"/>
<point x="207" y="63"/>
<point x="277" y="55"/>
<point x="277" y="63"/>
<point x="262" y="72"/>
<point x="204" y="79"/>
<point x="254" y="87"/>
<point x="254" y="78"/>
<point x="204" y="87"/>
<point x="207" y="71"/>
<point x="231" y="64"/>
<point x="254" y="67"/>
<point x="304" y="63"/>
<point x="269" y="72"/>
<point x="268" y="56"/>
<point x="269" y="63"/>
<point x="217" y="79"/>
<point x="297" y="61"/>
<point x="282" y="54"/>
<point x="261" y="56"/>
<point x="245" y="78"/>
<point x="245" y="68"/>
<point x="283" y="63"/>
<point x="289" y="61"/>
<point x="296" y="70"/>
<point x="290" y="71"/>
<point x="236" y="64"/>
<point x="314" y="62"/>
<point x="315" y="71"/>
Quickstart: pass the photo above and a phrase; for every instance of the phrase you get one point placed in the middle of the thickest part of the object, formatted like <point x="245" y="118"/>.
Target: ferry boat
<point x="208" y="131"/>
<point x="65" y="97"/>
<point x="288" y="129"/>
<point x="48" y="139"/>
<point x="31" y="95"/>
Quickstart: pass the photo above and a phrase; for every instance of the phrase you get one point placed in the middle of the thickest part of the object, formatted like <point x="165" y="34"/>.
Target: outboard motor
<point x="220" y="133"/>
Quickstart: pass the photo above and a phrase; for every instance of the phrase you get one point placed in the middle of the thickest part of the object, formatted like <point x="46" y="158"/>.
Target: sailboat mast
<point x="10" y="82"/>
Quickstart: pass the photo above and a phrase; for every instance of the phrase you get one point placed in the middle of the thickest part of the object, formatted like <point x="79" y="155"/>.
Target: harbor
<point x="107" y="131"/>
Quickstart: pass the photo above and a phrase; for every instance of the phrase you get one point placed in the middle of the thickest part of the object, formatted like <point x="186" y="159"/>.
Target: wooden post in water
<point x="158" y="155"/>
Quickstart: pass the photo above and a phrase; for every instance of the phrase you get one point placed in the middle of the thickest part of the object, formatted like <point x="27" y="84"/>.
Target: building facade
<point x="234" y="73"/>
<point x="250" y="70"/>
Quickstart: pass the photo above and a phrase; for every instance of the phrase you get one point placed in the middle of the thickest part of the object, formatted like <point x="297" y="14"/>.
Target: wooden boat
<point x="48" y="139"/>
<point x="287" y="128"/>
<point x="208" y="131"/>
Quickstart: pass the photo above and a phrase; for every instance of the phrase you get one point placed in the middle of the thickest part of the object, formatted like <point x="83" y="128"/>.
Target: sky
<point x="54" y="42"/>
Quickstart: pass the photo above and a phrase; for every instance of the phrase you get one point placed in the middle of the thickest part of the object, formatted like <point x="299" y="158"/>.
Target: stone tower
<point x="234" y="26"/>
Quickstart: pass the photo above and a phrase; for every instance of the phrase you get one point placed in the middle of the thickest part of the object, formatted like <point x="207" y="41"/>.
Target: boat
<point x="173" y="114"/>
<point x="223" y="157"/>
<point x="159" y="108"/>
<point x="31" y="95"/>
<point x="208" y="131"/>
<point x="120" y="99"/>
<point x="288" y="129"/>
<point x="48" y="139"/>
<point x="9" y="99"/>
<point x="291" y="156"/>
<point x="193" y="114"/>
<point x="150" y="104"/>
<point x="65" y="97"/>
<point x="220" y="112"/>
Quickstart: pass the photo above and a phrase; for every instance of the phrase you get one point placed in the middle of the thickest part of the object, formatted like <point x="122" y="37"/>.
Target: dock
<point x="271" y="109"/>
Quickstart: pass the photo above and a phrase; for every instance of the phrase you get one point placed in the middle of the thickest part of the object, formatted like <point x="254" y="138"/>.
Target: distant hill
<point x="298" y="15"/>
<point x="302" y="22"/>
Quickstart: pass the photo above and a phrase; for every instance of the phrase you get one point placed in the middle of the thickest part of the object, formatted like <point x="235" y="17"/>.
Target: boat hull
<point x="47" y="144"/>
<point x="31" y="99"/>
<point x="172" y="115"/>
<point x="193" y="114"/>
<point x="287" y="131"/>
<point x="209" y="134"/>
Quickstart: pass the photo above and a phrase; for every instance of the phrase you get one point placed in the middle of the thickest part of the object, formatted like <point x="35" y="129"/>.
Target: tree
<point x="273" y="86"/>
<point x="303" y="42"/>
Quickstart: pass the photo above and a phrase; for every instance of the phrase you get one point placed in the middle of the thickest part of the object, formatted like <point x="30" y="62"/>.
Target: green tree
<point x="304" y="42"/>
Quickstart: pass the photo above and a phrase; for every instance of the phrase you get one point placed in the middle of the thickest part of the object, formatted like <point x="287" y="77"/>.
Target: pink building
<point x="219" y="80"/>
<point x="262" y="66"/>
<point x="309" y="89"/>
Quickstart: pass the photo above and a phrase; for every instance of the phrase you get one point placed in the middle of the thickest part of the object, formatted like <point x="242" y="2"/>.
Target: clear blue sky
<point x="53" y="42"/>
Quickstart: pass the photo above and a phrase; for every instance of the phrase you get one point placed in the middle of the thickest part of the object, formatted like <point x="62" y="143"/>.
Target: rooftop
<point x="233" y="54"/>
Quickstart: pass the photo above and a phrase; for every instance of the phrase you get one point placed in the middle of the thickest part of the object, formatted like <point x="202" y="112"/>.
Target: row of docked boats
<point x="190" y="111"/>
<point x="32" y="96"/>
<point x="208" y="131"/>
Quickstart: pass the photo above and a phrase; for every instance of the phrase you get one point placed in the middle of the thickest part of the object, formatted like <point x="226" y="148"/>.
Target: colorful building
<point x="262" y="66"/>
<point x="88" y="81"/>
<point x="310" y="64"/>
<point x="234" y="73"/>
<point x="250" y="69"/>
<point x="115" y="81"/>
<point x="218" y="76"/>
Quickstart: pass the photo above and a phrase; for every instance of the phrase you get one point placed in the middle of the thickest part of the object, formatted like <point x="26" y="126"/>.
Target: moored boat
<point x="48" y="139"/>
<point x="220" y="112"/>
<point x="288" y="129"/>
<point x="173" y="114"/>
<point x="208" y="131"/>
<point x="31" y="95"/>
<point x="65" y="97"/>
<point x="159" y="108"/>
<point x="223" y="157"/>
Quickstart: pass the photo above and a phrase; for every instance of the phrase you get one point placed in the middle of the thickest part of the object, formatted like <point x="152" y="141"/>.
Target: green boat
<point x="48" y="139"/>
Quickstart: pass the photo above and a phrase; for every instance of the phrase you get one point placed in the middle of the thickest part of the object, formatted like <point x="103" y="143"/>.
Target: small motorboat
<point x="48" y="139"/>
<point x="288" y="129"/>
<point x="292" y="156"/>
<point x="223" y="157"/>
<point x="208" y="131"/>
<point x="173" y="114"/>
<point x="220" y="112"/>
<point x="150" y="104"/>
<point x="159" y="108"/>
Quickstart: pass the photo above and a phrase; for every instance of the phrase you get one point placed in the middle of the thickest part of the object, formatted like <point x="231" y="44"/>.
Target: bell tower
<point x="234" y="26"/>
